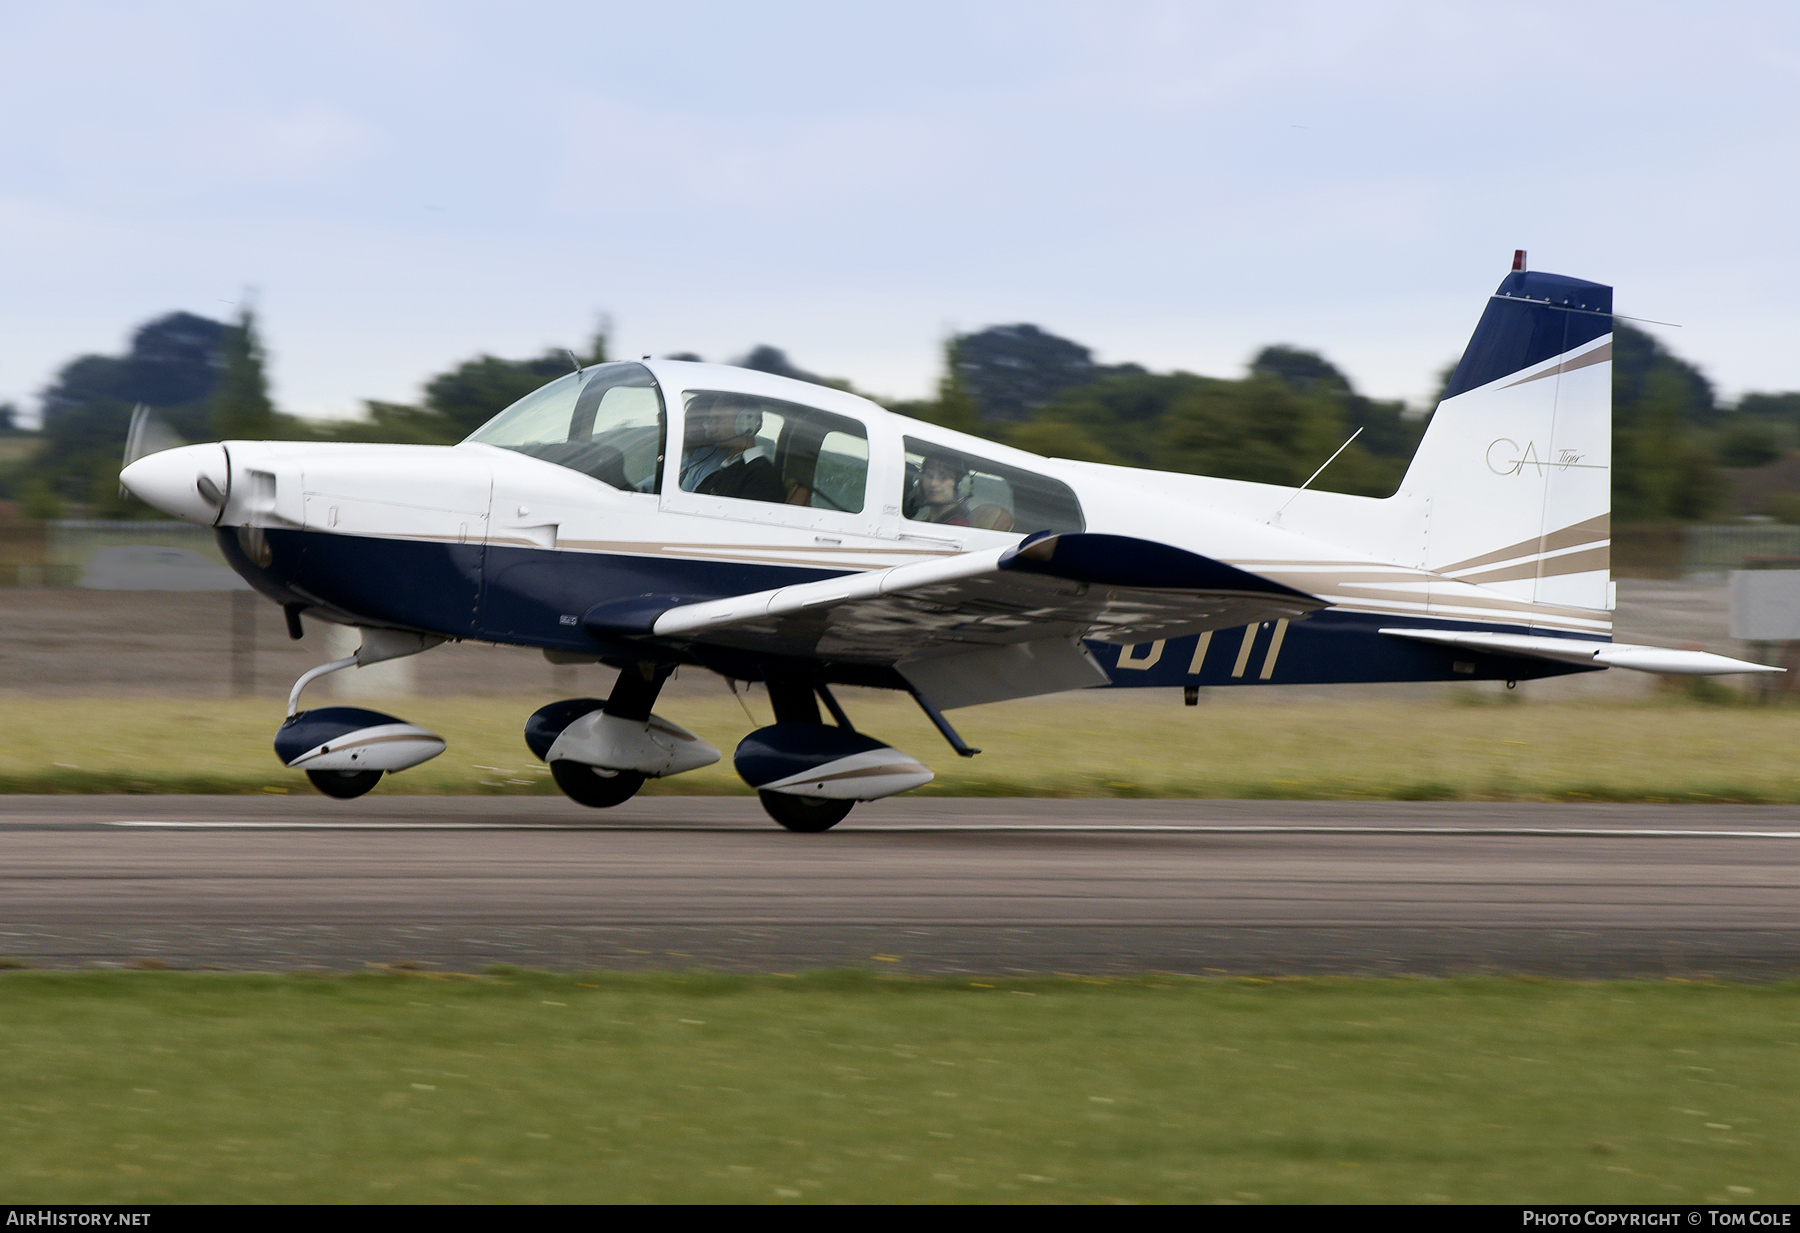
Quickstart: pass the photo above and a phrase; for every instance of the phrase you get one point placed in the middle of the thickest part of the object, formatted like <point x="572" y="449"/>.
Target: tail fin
<point x="1515" y="467"/>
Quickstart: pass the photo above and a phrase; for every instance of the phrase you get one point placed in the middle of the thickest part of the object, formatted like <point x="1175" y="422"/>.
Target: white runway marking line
<point x="968" y="828"/>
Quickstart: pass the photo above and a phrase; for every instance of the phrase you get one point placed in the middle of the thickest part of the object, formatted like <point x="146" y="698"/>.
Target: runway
<point x="925" y="885"/>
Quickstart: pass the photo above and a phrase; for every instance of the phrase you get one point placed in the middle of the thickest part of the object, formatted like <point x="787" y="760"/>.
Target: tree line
<point x="1018" y="384"/>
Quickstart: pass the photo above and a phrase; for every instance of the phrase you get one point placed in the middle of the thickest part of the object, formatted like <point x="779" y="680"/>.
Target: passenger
<point x="939" y="479"/>
<point x="722" y="457"/>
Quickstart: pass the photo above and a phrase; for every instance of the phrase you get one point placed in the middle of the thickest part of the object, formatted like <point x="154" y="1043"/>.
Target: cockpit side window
<point x="606" y="422"/>
<point x="952" y="488"/>
<point x="762" y="449"/>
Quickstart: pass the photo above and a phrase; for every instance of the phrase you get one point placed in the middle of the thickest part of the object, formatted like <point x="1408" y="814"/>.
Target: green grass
<point x="1674" y="749"/>
<point x="16" y="449"/>
<point x="135" y="1087"/>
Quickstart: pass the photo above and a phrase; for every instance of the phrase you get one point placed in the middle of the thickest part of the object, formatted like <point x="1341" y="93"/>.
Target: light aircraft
<point x="652" y="514"/>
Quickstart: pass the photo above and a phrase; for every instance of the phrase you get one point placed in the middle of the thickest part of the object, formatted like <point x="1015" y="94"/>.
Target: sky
<point x="402" y="186"/>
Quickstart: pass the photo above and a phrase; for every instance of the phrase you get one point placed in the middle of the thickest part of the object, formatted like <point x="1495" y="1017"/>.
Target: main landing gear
<point x="600" y="753"/>
<point x="345" y="785"/>
<point x="807" y="815"/>
<point x="808" y="774"/>
<point x="593" y="785"/>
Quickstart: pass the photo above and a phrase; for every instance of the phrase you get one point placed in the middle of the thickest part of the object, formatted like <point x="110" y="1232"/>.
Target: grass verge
<point x="1670" y="750"/>
<point x="132" y="1087"/>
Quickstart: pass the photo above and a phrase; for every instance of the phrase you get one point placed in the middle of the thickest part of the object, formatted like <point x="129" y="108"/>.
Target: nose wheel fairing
<point x="345" y="750"/>
<point x="349" y="738"/>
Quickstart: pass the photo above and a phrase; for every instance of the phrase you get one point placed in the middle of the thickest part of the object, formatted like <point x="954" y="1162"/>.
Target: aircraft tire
<point x="587" y="785"/>
<point x="808" y="815"/>
<point x="345" y="785"/>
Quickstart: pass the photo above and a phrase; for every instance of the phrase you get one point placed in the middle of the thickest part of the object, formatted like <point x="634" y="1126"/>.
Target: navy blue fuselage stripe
<point x="528" y="592"/>
<point x="1332" y="647"/>
<point x="1514" y="335"/>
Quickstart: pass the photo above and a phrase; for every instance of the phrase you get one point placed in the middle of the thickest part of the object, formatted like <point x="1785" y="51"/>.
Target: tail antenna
<point x="1315" y="475"/>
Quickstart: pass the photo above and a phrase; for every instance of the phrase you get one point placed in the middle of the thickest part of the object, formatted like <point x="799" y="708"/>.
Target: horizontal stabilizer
<point x="1111" y="588"/>
<point x="1580" y="651"/>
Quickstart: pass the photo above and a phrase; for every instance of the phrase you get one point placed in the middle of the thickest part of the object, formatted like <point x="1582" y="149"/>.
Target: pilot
<point x="722" y="457"/>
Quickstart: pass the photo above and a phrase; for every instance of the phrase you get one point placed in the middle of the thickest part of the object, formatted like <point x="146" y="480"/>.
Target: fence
<point x="114" y="556"/>
<point x="1720" y="549"/>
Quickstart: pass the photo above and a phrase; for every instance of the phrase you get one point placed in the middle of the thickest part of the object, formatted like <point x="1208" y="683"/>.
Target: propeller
<point x="149" y="434"/>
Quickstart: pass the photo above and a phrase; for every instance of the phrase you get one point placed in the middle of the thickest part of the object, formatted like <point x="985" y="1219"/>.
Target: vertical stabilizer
<point x="1514" y="469"/>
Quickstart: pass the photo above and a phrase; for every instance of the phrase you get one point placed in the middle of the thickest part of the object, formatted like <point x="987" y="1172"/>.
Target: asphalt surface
<point x="922" y="885"/>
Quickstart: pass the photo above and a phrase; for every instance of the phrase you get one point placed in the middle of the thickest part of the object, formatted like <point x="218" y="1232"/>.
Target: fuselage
<point x="513" y="542"/>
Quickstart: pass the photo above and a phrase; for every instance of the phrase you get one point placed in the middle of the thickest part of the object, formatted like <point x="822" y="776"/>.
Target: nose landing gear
<point x="345" y="750"/>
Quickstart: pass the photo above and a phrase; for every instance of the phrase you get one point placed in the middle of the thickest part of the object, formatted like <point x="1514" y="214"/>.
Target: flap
<point x="966" y="676"/>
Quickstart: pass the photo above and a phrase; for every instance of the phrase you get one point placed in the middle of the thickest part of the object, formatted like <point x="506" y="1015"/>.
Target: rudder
<point x="1515" y="467"/>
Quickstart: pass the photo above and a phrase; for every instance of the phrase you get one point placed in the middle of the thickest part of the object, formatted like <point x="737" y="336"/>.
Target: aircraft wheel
<point x="345" y="785"/>
<point x="591" y="786"/>
<point x="806" y="814"/>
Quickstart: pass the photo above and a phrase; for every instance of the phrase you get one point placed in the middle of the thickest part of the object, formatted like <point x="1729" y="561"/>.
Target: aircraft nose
<point x="189" y="482"/>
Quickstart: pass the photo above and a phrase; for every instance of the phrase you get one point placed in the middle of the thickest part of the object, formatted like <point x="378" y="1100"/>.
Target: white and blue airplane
<point x="651" y="514"/>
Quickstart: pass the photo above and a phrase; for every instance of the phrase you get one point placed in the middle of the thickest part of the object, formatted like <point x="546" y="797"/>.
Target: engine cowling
<point x="349" y="738"/>
<point x="802" y="759"/>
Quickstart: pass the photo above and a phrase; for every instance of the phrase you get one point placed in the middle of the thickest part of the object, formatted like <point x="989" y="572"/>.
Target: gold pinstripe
<point x="1599" y="355"/>
<point x="1569" y="537"/>
<point x="1244" y="650"/>
<point x="1582" y="562"/>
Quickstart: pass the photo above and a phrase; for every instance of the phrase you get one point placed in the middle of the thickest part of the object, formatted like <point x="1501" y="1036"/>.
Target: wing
<point x="1064" y="587"/>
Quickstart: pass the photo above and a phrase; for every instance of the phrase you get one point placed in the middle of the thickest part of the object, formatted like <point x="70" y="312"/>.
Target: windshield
<point x="605" y="422"/>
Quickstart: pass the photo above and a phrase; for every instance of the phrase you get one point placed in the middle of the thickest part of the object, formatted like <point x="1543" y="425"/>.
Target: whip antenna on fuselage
<point x="1315" y="475"/>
